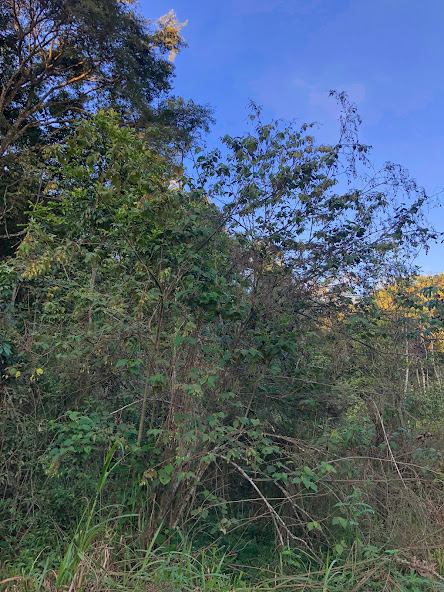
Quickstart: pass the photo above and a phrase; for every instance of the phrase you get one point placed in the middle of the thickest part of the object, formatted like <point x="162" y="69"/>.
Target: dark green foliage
<point x="62" y="60"/>
<point x="243" y="356"/>
<point x="57" y="56"/>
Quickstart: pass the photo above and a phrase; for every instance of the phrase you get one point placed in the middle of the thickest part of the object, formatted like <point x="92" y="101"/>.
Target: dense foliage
<point x="59" y="62"/>
<point x="220" y="377"/>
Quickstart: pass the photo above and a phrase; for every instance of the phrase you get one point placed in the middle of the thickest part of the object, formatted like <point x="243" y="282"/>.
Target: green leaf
<point x="306" y="481"/>
<point x="5" y="348"/>
<point x="158" y="379"/>
<point x="339" y="520"/>
<point x="164" y="476"/>
<point x="339" y="549"/>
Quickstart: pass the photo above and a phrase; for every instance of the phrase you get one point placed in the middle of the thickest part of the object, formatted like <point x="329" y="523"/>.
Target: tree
<point x="62" y="59"/>
<point x="286" y="197"/>
<point x="206" y="338"/>
<point x="121" y="244"/>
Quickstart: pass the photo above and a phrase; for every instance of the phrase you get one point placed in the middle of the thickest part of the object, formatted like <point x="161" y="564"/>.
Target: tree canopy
<point x="59" y="62"/>
<point x="60" y="58"/>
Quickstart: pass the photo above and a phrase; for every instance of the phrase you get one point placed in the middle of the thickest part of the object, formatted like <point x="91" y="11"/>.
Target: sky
<point x="285" y="55"/>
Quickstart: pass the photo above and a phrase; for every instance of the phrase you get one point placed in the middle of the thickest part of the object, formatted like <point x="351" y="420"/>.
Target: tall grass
<point x="74" y="564"/>
<point x="159" y="569"/>
<point x="99" y="557"/>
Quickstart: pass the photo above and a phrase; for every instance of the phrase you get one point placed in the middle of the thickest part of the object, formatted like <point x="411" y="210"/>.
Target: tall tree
<point x="59" y="57"/>
<point x="62" y="59"/>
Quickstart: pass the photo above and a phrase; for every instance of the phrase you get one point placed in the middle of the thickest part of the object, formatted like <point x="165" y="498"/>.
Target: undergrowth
<point x="102" y="554"/>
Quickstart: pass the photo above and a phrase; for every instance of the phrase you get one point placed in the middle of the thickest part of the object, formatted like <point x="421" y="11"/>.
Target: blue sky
<point x="287" y="54"/>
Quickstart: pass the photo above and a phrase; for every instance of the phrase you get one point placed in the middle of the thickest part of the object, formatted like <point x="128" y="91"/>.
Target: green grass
<point x="158" y="569"/>
<point x="102" y="555"/>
